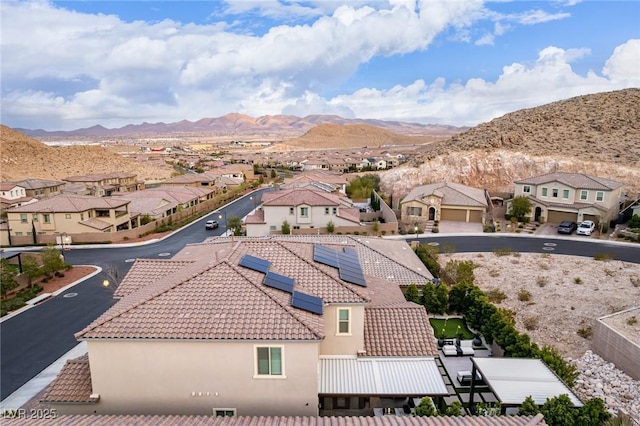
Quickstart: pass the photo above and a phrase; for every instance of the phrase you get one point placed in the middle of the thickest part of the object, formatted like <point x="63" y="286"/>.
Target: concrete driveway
<point x="451" y="227"/>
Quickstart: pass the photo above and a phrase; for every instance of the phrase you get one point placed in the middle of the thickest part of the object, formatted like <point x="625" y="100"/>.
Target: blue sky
<point x="73" y="64"/>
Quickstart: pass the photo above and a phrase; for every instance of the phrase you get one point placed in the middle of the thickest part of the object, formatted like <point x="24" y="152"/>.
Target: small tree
<point x="30" y="268"/>
<point x="7" y="277"/>
<point x="234" y="223"/>
<point x="528" y="407"/>
<point x="455" y="409"/>
<point x="593" y="412"/>
<point x="559" y="411"/>
<point x="412" y="294"/>
<point x="635" y="221"/>
<point x="52" y="260"/>
<point x="286" y="228"/>
<point x="330" y="227"/>
<point x="426" y="408"/>
<point x="520" y="207"/>
<point x="461" y="270"/>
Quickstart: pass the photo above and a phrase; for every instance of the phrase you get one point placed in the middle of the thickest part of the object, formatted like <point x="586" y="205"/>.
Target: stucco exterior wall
<point x="187" y="377"/>
<point x="335" y="343"/>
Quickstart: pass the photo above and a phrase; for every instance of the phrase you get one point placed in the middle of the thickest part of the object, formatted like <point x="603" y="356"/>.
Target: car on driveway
<point x="211" y="224"/>
<point x="586" y="228"/>
<point x="567" y="227"/>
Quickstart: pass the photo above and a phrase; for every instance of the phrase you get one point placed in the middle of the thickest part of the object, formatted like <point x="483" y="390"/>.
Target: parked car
<point x="586" y="228"/>
<point x="211" y="224"/>
<point x="567" y="227"/>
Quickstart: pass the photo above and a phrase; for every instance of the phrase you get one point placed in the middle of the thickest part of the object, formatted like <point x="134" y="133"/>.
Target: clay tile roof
<point x="73" y="383"/>
<point x="38" y="183"/>
<point x="452" y="194"/>
<point x="298" y="196"/>
<point x="72" y="203"/>
<point x="574" y="180"/>
<point x="96" y="224"/>
<point x="146" y="271"/>
<point x="398" y="329"/>
<point x="177" y="420"/>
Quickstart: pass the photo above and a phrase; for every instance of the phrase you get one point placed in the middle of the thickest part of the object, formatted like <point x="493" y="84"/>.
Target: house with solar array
<point x="295" y="326"/>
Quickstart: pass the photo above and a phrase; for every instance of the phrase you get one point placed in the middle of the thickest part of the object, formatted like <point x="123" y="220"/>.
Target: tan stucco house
<point x="295" y="326"/>
<point x="301" y="208"/>
<point x="70" y="213"/>
<point x="164" y="201"/>
<point x="13" y="195"/>
<point x="40" y="188"/>
<point x="572" y="196"/>
<point x="107" y="184"/>
<point x="445" y="201"/>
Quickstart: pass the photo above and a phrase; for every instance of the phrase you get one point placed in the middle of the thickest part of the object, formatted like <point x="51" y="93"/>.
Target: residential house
<point x="205" y="180"/>
<point x="445" y="201"/>
<point x="237" y="171"/>
<point x="39" y="188"/>
<point x="13" y="195"/>
<point x="164" y="201"/>
<point x="296" y="326"/>
<point x="572" y="196"/>
<point x="322" y="176"/>
<point x="70" y="213"/>
<point x="301" y="208"/>
<point x="107" y="184"/>
<point x="312" y="164"/>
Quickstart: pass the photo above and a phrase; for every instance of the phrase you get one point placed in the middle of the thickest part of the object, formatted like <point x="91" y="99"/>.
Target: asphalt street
<point x="31" y="341"/>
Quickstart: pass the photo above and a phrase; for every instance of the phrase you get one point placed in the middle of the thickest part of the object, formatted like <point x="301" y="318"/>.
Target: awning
<point x="416" y="376"/>
<point x="512" y="380"/>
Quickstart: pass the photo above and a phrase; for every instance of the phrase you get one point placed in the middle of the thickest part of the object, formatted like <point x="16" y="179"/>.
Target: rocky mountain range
<point x="239" y="125"/>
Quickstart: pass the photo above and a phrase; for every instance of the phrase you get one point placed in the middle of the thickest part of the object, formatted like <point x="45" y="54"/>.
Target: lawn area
<point x="451" y="327"/>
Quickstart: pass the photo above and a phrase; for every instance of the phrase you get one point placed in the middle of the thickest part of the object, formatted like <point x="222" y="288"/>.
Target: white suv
<point x="586" y="228"/>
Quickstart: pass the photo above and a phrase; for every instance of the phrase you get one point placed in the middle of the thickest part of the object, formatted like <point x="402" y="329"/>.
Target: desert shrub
<point x="635" y="281"/>
<point x="494" y="273"/>
<point x="455" y="409"/>
<point x="495" y="295"/>
<point x="524" y="295"/>
<point x="330" y="227"/>
<point x="577" y="280"/>
<point x="542" y="281"/>
<point x="585" y="332"/>
<point x="608" y="272"/>
<point x="632" y="320"/>
<point x="435" y="230"/>
<point x="531" y="323"/>
<point x="426" y="408"/>
<point x="506" y="251"/>
<point x="544" y="266"/>
<point x="604" y="256"/>
<point x="489" y="228"/>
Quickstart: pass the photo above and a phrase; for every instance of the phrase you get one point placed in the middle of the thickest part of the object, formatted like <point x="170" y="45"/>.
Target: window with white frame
<point x="304" y="211"/>
<point x="335" y="210"/>
<point x="554" y="192"/>
<point x="599" y="196"/>
<point x="344" y="321"/>
<point x="326" y="210"/>
<point x="584" y="194"/>
<point x="23" y="218"/>
<point x="291" y="210"/>
<point x="526" y="189"/>
<point x="269" y="361"/>
<point x="545" y="191"/>
<point x="565" y="194"/>
<point x="46" y="217"/>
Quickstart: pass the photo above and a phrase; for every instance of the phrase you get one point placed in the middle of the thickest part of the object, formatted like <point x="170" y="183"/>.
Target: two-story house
<point x="13" y="195"/>
<point x="572" y="196"/>
<point x="40" y="188"/>
<point x="164" y="201"/>
<point x="301" y="208"/>
<point x="71" y="214"/>
<point x="107" y="184"/>
<point x="295" y="326"/>
<point x="445" y="201"/>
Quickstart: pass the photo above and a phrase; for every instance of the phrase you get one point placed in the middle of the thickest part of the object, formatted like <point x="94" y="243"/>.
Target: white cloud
<point x="624" y="64"/>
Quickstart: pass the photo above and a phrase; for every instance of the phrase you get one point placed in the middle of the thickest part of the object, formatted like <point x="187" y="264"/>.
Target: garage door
<point x="475" y="216"/>
<point x="557" y="217"/>
<point x="456" y="215"/>
<point x="591" y="217"/>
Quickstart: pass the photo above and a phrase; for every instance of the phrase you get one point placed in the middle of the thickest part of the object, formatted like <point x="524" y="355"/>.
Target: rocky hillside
<point x="334" y="136"/>
<point x="22" y="157"/>
<point x="597" y="134"/>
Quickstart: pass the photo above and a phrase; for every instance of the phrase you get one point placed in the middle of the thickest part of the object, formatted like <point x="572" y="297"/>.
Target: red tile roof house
<point x="295" y="326"/>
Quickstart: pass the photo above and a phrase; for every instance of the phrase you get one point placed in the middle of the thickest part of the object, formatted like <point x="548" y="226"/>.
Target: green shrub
<point x="604" y="256"/>
<point x="524" y="295"/>
<point x="585" y="332"/>
<point x="632" y="320"/>
<point x="505" y="251"/>
<point x="531" y="323"/>
<point x="495" y="295"/>
<point x="435" y="230"/>
<point x="577" y="280"/>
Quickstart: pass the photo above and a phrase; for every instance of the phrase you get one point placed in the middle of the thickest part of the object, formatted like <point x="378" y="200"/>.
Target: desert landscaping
<point x="566" y="294"/>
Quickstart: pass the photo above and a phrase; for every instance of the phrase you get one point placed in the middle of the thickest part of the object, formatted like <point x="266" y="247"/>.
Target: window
<point x="554" y="192"/>
<point x="335" y="210"/>
<point x="544" y="192"/>
<point x="46" y="217"/>
<point x="81" y="216"/>
<point x="224" y="412"/>
<point x="599" y="196"/>
<point x="326" y="210"/>
<point x="19" y="234"/>
<point x="272" y="228"/>
<point x="290" y="210"/>
<point x="67" y="215"/>
<point x="584" y="194"/>
<point x="565" y="194"/>
<point x="526" y="189"/>
<point x="414" y="211"/>
<point x="304" y="211"/>
<point x="269" y="361"/>
<point x="23" y="218"/>
<point x="344" y="325"/>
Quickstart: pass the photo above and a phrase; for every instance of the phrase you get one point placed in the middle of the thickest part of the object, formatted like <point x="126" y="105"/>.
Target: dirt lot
<point x="567" y="293"/>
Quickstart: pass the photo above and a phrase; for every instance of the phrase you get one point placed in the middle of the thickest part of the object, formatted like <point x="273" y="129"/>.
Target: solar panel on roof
<point x="307" y="302"/>
<point x="255" y="263"/>
<point x="350" y="269"/>
<point x="278" y="281"/>
<point x="325" y="255"/>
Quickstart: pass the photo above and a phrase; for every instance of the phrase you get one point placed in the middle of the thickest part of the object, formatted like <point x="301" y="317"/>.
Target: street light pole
<point x="225" y="220"/>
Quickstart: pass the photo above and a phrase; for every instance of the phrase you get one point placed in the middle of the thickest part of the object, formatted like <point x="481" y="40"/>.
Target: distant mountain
<point x="239" y="125"/>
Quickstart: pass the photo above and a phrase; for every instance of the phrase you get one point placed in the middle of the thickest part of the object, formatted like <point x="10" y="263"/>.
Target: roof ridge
<point x="171" y="283"/>
<point x="262" y="288"/>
